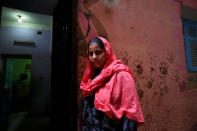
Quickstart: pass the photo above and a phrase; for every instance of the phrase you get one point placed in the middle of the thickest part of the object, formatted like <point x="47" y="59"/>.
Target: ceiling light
<point x="20" y="19"/>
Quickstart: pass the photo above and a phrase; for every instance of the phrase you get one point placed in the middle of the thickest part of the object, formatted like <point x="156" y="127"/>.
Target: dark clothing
<point x="95" y="120"/>
<point x="114" y="88"/>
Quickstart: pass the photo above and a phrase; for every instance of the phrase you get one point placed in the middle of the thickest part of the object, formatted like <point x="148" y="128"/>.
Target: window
<point x="190" y="40"/>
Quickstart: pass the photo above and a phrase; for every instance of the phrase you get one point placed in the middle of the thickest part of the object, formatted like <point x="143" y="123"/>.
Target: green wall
<point x="19" y="68"/>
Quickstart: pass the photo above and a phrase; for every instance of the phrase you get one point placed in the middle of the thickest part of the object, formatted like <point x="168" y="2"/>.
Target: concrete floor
<point x="22" y="122"/>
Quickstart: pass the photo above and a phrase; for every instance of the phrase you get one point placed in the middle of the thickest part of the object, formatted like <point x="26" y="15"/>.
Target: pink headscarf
<point x="105" y="82"/>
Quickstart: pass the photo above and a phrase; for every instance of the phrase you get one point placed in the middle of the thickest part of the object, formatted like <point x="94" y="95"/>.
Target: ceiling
<point x="9" y="17"/>
<point x="35" y="13"/>
<point x="35" y="6"/>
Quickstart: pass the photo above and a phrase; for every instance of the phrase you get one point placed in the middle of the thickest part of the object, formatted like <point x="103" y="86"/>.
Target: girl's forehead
<point x="94" y="45"/>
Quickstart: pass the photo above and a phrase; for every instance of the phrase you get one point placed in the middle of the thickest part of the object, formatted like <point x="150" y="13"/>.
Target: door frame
<point x="4" y="57"/>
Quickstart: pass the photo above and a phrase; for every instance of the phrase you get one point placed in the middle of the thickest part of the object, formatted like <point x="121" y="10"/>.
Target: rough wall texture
<point x="147" y="36"/>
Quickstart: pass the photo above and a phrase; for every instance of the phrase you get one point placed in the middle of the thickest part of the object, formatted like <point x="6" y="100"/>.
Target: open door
<point x="17" y="73"/>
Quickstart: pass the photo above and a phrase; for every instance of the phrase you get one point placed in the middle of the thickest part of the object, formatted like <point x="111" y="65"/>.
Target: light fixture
<point x="20" y="19"/>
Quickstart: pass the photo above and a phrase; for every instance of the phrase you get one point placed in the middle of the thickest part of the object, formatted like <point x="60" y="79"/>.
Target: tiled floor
<point x="22" y="122"/>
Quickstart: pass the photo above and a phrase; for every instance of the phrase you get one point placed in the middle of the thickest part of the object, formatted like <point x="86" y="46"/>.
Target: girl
<point x="110" y="98"/>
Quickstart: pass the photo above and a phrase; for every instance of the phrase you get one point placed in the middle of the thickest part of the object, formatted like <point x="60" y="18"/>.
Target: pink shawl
<point x="114" y="88"/>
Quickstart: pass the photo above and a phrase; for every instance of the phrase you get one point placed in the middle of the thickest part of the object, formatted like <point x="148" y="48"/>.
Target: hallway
<point x="22" y="122"/>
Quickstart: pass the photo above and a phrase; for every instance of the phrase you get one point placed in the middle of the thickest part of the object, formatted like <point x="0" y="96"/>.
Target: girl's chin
<point x="98" y="66"/>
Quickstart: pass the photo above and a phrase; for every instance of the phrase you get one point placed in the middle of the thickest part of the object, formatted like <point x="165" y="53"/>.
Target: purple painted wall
<point x="40" y="61"/>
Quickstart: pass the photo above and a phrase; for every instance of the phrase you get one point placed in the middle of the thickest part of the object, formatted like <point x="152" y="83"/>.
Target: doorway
<point x="17" y="79"/>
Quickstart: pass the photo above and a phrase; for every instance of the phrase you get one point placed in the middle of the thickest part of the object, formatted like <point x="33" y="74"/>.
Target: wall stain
<point x="125" y="58"/>
<point x="139" y="70"/>
<point x="151" y="61"/>
<point x="149" y="82"/>
<point x="182" y="86"/>
<point x="163" y="88"/>
<point x="176" y="76"/>
<point x="137" y="85"/>
<point x="170" y="57"/>
<point x="152" y="57"/>
<point x="87" y="15"/>
<point x="88" y="3"/>
<point x="191" y="78"/>
<point x="143" y="77"/>
<point x="149" y="118"/>
<point x="152" y="69"/>
<point x="131" y="28"/>
<point x="164" y="68"/>
<point x="140" y="93"/>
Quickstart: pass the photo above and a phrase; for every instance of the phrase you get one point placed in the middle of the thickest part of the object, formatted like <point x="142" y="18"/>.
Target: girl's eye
<point x="98" y="52"/>
<point x="90" y="53"/>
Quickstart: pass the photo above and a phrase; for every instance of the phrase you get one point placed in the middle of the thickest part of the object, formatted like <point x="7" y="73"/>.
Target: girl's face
<point x="96" y="55"/>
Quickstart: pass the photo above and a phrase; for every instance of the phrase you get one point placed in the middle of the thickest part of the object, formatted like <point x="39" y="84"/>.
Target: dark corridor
<point x="62" y="113"/>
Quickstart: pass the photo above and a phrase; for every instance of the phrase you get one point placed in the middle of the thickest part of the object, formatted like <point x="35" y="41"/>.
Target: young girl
<point x="110" y="98"/>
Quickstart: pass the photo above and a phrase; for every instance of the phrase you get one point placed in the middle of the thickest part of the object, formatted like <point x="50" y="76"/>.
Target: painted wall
<point x="147" y="36"/>
<point x="19" y="68"/>
<point x="190" y="3"/>
<point x="40" y="60"/>
<point x="189" y="11"/>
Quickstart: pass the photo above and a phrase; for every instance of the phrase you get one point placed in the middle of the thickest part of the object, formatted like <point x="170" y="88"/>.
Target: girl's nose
<point x="94" y="55"/>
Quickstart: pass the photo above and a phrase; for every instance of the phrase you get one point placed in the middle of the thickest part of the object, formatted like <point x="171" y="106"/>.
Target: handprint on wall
<point x="140" y="93"/>
<point x="138" y="70"/>
<point x="163" y="68"/>
<point x="125" y="57"/>
<point x="163" y="88"/>
<point x="149" y="82"/>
